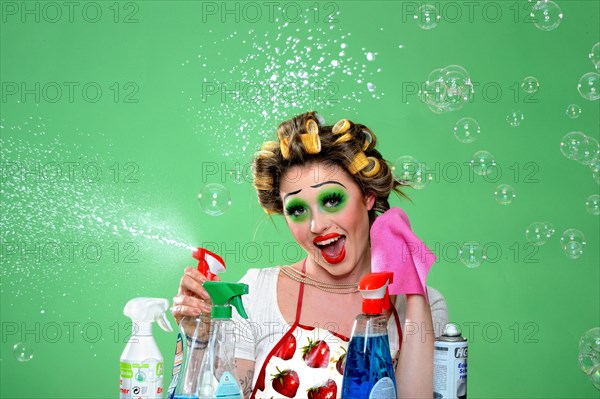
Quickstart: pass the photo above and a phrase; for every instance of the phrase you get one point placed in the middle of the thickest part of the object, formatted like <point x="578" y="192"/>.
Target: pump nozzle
<point x="209" y="263"/>
<point x="143" y="311"/>
<point x="373" y="288"/>
<point x="224" y="295"/>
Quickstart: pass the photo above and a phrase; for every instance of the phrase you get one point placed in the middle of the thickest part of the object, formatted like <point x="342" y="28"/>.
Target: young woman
<point x="330" y="183"/>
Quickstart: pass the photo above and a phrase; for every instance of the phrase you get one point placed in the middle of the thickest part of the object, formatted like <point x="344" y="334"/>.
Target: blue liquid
<point x="366" y="365"/>
<point x="185" y="397"/>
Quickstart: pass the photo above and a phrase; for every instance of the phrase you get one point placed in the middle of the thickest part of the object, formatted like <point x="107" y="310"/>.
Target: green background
<point x="77" y="247"/>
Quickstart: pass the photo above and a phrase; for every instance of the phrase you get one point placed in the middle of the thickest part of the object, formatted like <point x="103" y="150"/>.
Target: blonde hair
<point x="305" y="139"/>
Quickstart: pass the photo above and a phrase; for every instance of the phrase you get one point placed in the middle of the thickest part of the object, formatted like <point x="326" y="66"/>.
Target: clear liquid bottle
<point x="369" y="371"/>
<point x="193" y="336"/>
<point x="218" y="376"/>
<point x="194" y="333"/>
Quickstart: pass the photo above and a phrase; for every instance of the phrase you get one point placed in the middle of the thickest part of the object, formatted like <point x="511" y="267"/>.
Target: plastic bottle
<point x="196" y="331"/>
<point x="190" y="352"/>
<point x="141" y="362"/>
<point x="369" y="371"/>
<point x="218" y="376"/>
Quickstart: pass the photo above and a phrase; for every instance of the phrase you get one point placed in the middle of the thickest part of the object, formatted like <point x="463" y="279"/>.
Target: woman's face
<point x="328" y="215"/>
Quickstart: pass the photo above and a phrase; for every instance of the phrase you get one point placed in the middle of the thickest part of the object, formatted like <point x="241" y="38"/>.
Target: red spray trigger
<point x="209" y="263"/>
<point x="374" y="289"/>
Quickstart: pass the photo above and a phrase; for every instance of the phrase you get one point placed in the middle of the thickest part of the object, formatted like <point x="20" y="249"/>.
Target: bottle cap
<point x="143" y="311"/>
<point x="224" y="295"/>
<point x="209" y="263"/>
<point x="373" y="288"/>
<point x="451" y="330"/>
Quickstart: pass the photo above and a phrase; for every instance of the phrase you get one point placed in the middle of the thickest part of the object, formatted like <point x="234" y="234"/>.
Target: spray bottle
<point x="195" y="330"/>
<point x="141" y="362"/>
<point x="218" y="376"/>
<point x="369" y="371"/>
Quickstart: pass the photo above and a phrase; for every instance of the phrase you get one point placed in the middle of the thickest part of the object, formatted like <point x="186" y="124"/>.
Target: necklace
<point x="333" y="288"/>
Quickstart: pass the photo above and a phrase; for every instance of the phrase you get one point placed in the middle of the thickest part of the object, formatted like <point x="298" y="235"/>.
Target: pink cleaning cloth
<point x="395" y="248"/>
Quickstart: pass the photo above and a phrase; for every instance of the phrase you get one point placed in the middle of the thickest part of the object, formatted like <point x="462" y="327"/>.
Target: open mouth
<point x="332" y="247"/>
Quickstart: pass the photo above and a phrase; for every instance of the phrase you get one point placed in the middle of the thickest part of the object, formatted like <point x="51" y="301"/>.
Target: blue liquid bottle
<point x="369" y="371"/>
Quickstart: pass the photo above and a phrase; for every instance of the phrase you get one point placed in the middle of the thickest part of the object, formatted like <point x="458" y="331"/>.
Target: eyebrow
<point x="315" y="186"/>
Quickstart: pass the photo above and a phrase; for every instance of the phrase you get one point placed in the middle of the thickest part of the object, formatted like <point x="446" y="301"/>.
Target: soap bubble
<point x="371" y="87"/>
<point x="23" y="352"/>
<point x="546" y="15"/>
<point x="370" y="56"/>
<point x="482" y="163"/>
<point x="595" y="55"/>
<point x="571" y="144"/>
<point x="514" y="118"/>
<point x="549" y="229"/>
<point x="573" y="111"/>
<point x="459" y="88"/>
<point x="504" y="194"/>
<point x="592" y="204"/>
<point x="590" y="341"/>
<point x="471" y="254"/>
<point x="595" y="376"/>
<point x="407" y="170"/>
<point x="427" y="16"/>
<point x="589" y="350"/>
<point x="434" y="91"/>
<point x="595" y="167"/>
<point x="587" y="151"/>
<point x="538" y="233"/>
<point x="530" y="84"/>
<point x="467" y="130"/>
<point x="587" y="361"/>
<point x="436" y="75"/>
<point x="589" y="86"/>
<point x="573" y="242"/>
<point x="447" y="89"/>
<point x="437" y="110"/>
<point x="214" y="199"/>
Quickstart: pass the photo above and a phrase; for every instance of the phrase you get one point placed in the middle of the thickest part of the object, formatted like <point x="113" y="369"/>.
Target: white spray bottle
<point x="142" y="365"/>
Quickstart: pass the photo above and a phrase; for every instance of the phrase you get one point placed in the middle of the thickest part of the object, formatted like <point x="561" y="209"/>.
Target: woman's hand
<point x="395" y="248"/>
<point x="191" y="299"/>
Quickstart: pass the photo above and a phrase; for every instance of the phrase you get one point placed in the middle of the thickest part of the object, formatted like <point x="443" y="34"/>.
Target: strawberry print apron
<point x="307" y="362"/>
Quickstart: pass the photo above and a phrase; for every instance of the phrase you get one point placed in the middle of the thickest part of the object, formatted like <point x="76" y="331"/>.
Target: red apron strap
<point x="260" y="382"/>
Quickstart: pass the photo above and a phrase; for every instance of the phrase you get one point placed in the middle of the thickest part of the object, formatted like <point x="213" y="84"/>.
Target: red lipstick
<point x="325" y="237"/>
<point x="331" y="259"/>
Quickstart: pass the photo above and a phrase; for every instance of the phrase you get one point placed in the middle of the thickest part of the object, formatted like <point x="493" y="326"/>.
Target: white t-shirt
<point x="265" y="325"/>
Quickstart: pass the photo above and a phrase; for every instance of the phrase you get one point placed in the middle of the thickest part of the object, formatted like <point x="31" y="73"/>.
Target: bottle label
<point x="383" y="389"/>
<point x="228" y="387"/>
<point x="176" y="366"/>
<point x="450" y="369"/>
<point x="141" y="379"/>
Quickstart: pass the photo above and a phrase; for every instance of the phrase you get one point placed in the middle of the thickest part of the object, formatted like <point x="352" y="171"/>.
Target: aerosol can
<point x="142" y="364"/>
<point x="450" y="364"/>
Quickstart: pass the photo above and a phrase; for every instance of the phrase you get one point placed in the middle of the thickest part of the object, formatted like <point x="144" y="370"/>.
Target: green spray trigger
<point x="223" y="296"/>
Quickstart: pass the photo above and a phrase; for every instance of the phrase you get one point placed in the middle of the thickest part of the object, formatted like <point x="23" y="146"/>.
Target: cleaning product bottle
<point x="141" y="362"/>
<point x="218" y="377"/>
<point x="369" y="372"/>
<point x="195" y="330"/>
